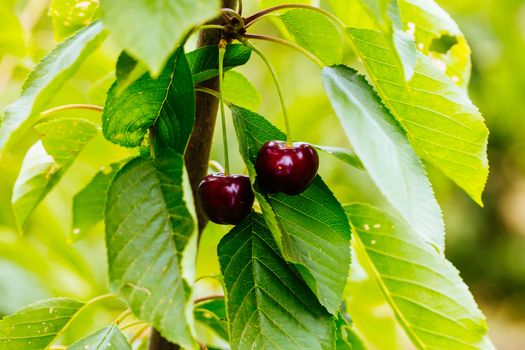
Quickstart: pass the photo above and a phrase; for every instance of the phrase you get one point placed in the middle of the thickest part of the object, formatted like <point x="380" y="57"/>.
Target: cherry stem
<point x="138" y="333"/>
<point x="216" y="166"/>
<point x="240" y="7"/>
<point x="132" y="324"/>
<point x="278" y="86"/>
<point x="222" y="51"/>
<point x="210" y="26"/>
<point x="256" y="16"/>
<point x="84" y="307"/>
<point x="122" y="316"/>
<point x="70" y="106"/>
<point x="287" y="43"/>
<point x="210" y="92"/>
<point x="209" y="297"/>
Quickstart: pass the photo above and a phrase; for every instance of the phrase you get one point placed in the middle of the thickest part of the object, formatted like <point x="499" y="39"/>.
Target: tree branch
<point x="198" y="152"/>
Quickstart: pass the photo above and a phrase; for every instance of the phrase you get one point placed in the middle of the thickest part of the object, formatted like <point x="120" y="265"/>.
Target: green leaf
<point x="442" y="124"/>
<point x="109" y="338"/>
<point x="385" y="152"/>
<point x="45" y="80"/>
<point x="237" y="89"/>
<point x="204" y="62"/>
<point x="168" y="103"/>
<point x="386" y="15"/>
<point x="425" y="291"/>
<point x="47" y="160"/>
<point x="378" y="10"/>
<point x="11" y="32"/>
<point x="35" y="327"/>
<point x="151" y="243"/>
<point x="128" y="70"/>
<point x="402" y="43"/>
<point x="316" y="33"/>
<point x="211" y="315"/>
<point x="68" y="16"/>
<point x="311" y="228"/>
<point x="342" y="154"/>
<point x="431" y="24"/>
<point x="151" y="30"/>
<point x="269" y="306"/>
<point x="88" y="204"/>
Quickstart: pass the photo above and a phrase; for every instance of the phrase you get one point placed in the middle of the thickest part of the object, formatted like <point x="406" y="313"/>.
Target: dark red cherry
<point x="226" y="199"/>
<point x="286" y="168"/>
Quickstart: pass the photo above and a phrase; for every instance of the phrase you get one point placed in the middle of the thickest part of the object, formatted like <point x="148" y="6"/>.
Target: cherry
<point x="286" y="168"/>
<point x="226" y="199"/>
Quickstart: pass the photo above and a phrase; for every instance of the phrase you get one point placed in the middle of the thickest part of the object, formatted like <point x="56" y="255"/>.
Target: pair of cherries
<point x="228" y="199"/>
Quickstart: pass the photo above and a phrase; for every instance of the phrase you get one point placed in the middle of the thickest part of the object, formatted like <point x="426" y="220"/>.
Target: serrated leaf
<point x="204" y="62"/>
<point x="151" y="243"/>
<point x="442" y="124"/>
<point x="316" y="33"/>
<point x="109" y="338"/>
<point x="385" y="152"/>
<point x="151" y="30"/>
<point x="237" y="89"/>
<point x="269" y="306"/>
<point x="88" y="204"/>
<point x="45" y="80"/>
<point x="11" y="32"/>
<point x="68" y="16"/>
<point x="430" y="23"/>
<point x="402" y="42"/>
<point x="310" y="229"/>
<point x="47" y="160"/>
<point x="36" y="326"/>
<point x="167" y="103"/>
<point x="342" y="154"/>
<point x="387" y="17"/>
<point x="425" y="291"/>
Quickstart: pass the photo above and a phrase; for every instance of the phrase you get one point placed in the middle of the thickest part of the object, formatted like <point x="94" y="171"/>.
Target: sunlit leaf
<point x="151" y="243"/>
<point x="310" y="228"/>
<point x="432" y="25"/>
<point x="109" y="338"/>
<point x="269" y="306"/>
<point x="237" y="89"/>
<point x="442" y="124"/>
<point x="68" y="16"/>
<point x="425" y="291"/>
<point x="401" y="41"/>
<point x="46" y="161"/>
<point x="316" y="33"/>
<point x="36" y="326"/>
<point x="45" y="80"/>
<point x="151" y="30"/>
<point x="166" y="103"/>
<point x="88" y="204"/>
<point x="385" y="152"/>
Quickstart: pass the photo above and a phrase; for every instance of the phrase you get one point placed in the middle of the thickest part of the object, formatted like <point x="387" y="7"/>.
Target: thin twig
<point x="209" y="297"/>
<point x="286" y="43"/>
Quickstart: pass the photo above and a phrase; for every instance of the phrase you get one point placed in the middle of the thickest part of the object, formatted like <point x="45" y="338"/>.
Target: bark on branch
<point x="198" y="153"/>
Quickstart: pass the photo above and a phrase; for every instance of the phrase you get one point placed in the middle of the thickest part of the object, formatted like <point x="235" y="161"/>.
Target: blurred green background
<point x="486" y="244"/>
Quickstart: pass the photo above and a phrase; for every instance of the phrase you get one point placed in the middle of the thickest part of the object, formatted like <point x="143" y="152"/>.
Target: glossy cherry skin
<point x="286" y="168"/>
<point x="226" y="199"/>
